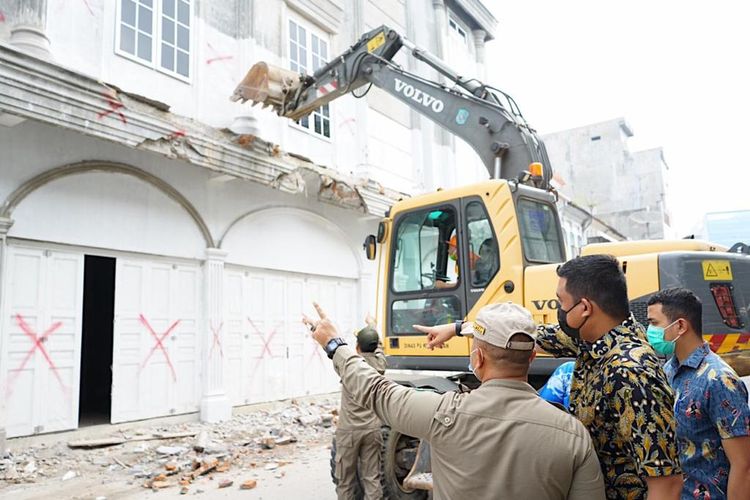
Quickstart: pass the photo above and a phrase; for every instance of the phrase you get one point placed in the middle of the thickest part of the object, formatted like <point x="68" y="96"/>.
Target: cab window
<point x="432" y="311"/>
<point x="422" y="259"/>
<point x="539" y="231"/>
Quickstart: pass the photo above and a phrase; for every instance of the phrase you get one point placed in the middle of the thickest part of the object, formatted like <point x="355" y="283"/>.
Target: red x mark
<point x="25" y="328"/>
<point x="266" y="341"/>
<point x="114" y="104"/>
<point x="315" y="353"/>
<point x="88" y="7"/>
<point x="159" y="344"/>
<point x="217" y="57"/>
<point x="217" y="340"/>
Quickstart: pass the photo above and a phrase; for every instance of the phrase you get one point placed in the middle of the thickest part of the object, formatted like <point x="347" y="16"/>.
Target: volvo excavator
<point x="506" y="231"/>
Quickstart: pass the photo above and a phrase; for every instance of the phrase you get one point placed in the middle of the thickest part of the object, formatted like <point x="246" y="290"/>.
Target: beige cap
<point x="497" y="323"/>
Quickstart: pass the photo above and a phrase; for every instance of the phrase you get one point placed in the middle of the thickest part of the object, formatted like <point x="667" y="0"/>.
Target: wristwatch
<point x="332" y="345"/>
<point x="459" y="325"/>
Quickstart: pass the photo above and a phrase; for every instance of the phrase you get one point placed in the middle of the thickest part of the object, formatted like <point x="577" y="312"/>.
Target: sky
<point x="678" y="72"/>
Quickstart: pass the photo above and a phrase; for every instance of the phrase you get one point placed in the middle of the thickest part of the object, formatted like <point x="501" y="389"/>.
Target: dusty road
<point x="285" y="450"/>
<point x="306" y="477"/>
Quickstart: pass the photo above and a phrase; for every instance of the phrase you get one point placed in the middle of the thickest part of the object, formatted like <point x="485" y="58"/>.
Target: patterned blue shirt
<point x="710" y="405"/>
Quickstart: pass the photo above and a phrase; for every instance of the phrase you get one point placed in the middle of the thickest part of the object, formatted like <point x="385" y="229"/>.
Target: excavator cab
<point x="498" y="229"/>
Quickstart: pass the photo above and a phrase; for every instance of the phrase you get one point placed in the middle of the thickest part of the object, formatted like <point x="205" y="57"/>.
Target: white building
<point x="595" y="168"/>
<point x="148" y="223"/>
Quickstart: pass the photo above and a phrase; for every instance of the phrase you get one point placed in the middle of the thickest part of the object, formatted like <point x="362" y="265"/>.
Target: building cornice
<point x="481" y="15"/>
<point x="40" y="90"/>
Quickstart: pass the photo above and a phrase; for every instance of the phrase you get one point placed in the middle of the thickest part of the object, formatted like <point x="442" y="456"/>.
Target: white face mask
<point x="471" y="365"/>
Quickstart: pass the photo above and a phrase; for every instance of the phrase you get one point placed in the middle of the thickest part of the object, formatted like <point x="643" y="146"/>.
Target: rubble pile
<point x="181" y="456"/>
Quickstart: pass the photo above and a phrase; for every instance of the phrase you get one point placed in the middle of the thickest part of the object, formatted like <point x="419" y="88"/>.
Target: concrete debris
<point x="201" y="441"/>
<point x="268" y="443"/>
<point x="226" y="483"/>
<point x="249" y="484"/>
<point x="309" y="420"/>
<point x="171" y="450"/>
<point x="183" y="456"/>
<point x="30" y="467"/>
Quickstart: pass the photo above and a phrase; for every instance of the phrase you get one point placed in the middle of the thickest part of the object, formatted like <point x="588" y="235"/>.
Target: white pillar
<point x="479" y="37"/>
<point x="215" y="405"/>
<point x="29" y="27"/>
<point x="5" y="225"/>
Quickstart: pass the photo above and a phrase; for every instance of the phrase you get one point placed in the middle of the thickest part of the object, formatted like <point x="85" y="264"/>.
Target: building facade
<point x="150" y="225"/>
<point x="595" y="168"/>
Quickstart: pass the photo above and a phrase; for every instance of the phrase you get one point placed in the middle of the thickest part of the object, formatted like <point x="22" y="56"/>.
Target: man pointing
<point x="499" y="441"/>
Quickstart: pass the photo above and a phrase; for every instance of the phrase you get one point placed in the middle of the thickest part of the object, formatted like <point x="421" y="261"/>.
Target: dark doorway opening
<point x="95" y="405"/>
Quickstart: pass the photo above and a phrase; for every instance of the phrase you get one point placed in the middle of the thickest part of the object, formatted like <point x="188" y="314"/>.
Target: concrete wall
<point x="595" y="168"/>
<point x="375" y="137"/>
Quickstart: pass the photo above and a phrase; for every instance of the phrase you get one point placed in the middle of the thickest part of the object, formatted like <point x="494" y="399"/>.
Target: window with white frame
<point x="457" y="31"/>
<point x="308" y="51"/>
<point x="157" y="33"/>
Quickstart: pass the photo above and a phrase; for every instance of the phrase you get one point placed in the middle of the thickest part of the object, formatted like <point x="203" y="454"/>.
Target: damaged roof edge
<point x="45" y="92"/>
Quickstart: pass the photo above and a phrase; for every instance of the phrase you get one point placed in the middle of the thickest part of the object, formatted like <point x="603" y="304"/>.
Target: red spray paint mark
<point x="91" y="11"/>
<point x="315" y="353"/>
<point x="217" y="340"/>
<point x="37" y="340"/>
<point x="174" y="135"/>
<point x="266" y="340"/>
<point x="115" y="105"/>
<point x="218" y="58"/>
<point x="159" y="345"/>
<point x="2" y="17"/>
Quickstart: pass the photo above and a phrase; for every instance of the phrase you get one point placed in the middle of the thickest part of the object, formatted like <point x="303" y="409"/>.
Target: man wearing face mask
<point x="618" y="390"/>
<point x="500" y="440"/>
<point x="713" y="418"/>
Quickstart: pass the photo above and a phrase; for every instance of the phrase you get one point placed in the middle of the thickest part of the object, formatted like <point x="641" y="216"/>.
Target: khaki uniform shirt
<point x="499" y="441"/>
<point x="354" y="416"/>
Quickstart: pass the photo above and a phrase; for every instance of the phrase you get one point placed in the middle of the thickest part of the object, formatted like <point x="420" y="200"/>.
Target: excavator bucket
<point x="267" y="85"/>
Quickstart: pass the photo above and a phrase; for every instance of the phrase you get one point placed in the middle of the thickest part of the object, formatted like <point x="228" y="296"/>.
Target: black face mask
<point x="562" y="320"/>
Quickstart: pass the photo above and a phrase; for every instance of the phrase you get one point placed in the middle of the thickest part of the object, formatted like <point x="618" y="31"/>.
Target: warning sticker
<point x="376" y="42"/>
<point x="717" y="270"/>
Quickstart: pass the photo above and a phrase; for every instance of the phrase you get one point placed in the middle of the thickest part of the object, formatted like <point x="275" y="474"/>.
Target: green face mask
<point x="655" y="335"/>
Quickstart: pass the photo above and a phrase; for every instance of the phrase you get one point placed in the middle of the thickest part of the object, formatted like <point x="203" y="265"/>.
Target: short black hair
<point x="680" y="303"/>
<point x="367" y="339"/>
<point x="598" y="278"/>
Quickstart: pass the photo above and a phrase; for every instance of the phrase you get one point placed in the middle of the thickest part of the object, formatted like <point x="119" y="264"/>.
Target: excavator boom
<point x="486" y="119"/>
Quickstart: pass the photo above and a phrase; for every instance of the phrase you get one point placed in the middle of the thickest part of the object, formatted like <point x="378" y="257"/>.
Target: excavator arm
<point x="487" y="119"/>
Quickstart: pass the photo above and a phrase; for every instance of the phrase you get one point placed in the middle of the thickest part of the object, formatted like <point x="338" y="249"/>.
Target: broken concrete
<point x="187" y="457"/>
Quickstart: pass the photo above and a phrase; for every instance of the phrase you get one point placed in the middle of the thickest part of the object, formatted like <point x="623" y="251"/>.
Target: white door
<point x="270" y="354"/>
<point x="156" y="342"/>
<point x="42" y="344"/>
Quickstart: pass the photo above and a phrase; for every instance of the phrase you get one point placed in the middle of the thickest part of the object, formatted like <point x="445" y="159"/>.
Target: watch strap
<point x="459" y="325"/>
<point x="333" y="345"/>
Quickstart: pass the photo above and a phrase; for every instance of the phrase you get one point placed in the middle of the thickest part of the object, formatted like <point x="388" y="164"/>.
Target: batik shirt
<point x="710" y="405"/>
<point x="620" y="393"/>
